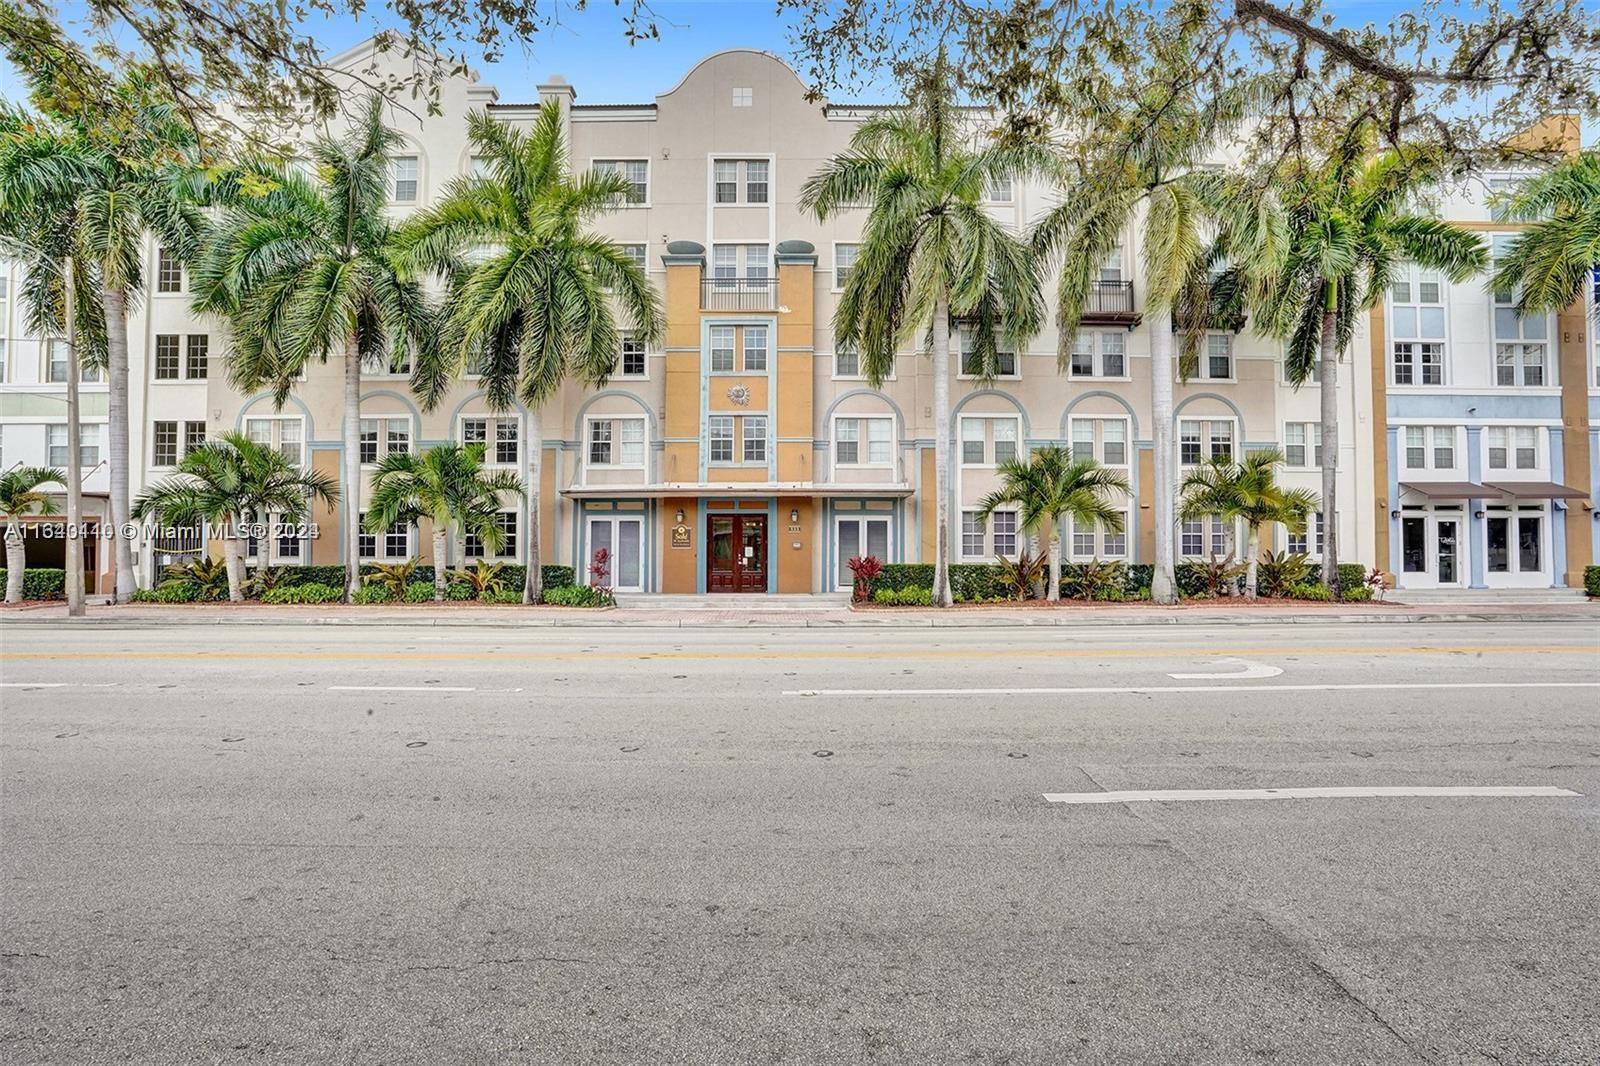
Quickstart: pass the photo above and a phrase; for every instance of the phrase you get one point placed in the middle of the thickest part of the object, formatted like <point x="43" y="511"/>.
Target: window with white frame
<point x="405" y="174"/>
<point x="631" y="358"/>
<point x="1302" y="444"/>
<point x="197" y="356"/>
<point x="755" y="438"/>
<point x="392" y="544"/>
<point x="1111" y="269"/>
<point x="1430" y="447"/>
<point x="753" y="349"/>
<point x="179" y="358"/>
<point x="384" y="436"/>
<point x="497" y="435"/>
<point x="988" y="441"/>
<point x="636" y="172"/>
<point x="56" y="359"/>
<point x="1308" y="541"/>
<point x="863" y="441"/>
<point x="284" y="435"/>
<point x="719" y="438"/>
<point x="731" y="177"/>
<point x="722" y="349"/>
<point x="1005" y="362"/>
<point x="172" y="440"/>
<point x="638" y="254"/>
<point x="616" y="442"/>
<point x="1200" y="439"/>
<point x="757" y="173"/>
<point x="1096" y="540"/>
<point x="1521" y="344"/>
<point x="1216" y="358"/>
<point x="1099" y="355"/>
<point x="1501" y="187"/>
<point x="1514" y="539"/>
<point x="88" y="444"/>
<point x="169" y="271"/>
<point x="730" y="262"/>
<point x="846" y="362"/>
<point x="383" y="365"/>
<point x="1513" y="447"/>
<point x="982" y="539"/>
<point x="1105" y="440"/>
<point x="998" y="190"/>
<point x="1205" y="536"/>
<point x="743" y="96"/>
<point x="472" y="546"/>
<point x="1417" y="326"/>
<point x="844" y="261"/>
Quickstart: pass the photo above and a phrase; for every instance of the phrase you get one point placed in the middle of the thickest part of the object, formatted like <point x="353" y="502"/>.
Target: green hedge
<point x="308" y="593"/>
<point x="42" y="583"/>
<point x="512" y="575"/>
<point x="971" y="582"/>
<point x="1591" y="580"/>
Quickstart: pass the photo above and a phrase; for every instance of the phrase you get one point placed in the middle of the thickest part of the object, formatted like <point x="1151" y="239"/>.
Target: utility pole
<point x="74" y="449"/>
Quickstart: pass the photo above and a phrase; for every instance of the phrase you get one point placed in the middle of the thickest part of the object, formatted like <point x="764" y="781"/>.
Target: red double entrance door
<point x="736" y="553"/>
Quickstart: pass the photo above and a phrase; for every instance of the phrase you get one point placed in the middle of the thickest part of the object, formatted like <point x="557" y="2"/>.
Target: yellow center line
<point x="886" y="655"/>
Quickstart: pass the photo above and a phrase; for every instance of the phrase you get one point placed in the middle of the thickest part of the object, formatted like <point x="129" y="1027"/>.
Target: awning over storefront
<point x="1536" y="490"/>
<point x="739" y="490"/>
<point x="1447" y="490"/>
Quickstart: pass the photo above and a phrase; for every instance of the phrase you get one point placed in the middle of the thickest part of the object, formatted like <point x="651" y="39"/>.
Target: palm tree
<point x="1247" y="491"/>
<point x="229" y="484"/>
<point x="305" y="271"/>
<point x="1350" y="225"/>
<point x="1145" y="161"/>
<point x="535" y="297"/>
<point x="448" y="485"/>
<point x="1050" y="486"/>
<point x="930" y="253"/>
<point x="1548" y="263"/>
<point x="112" y="181"/>
<point x="19" y="496"/>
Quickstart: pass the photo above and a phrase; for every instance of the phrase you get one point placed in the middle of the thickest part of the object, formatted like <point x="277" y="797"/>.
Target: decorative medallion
<point x="740" y="394"/>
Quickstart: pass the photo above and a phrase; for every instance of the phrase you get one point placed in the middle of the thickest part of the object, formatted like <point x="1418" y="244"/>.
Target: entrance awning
<point x="1536" y="490"/>
<point x="737" y="490"/>
<point x="1447" y="490"/>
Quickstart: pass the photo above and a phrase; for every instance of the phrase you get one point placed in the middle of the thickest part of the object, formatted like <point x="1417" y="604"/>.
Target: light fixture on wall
<point x="1477" y="514"/>
<point x="794" y="514"/>
<point x="679" y="518"/>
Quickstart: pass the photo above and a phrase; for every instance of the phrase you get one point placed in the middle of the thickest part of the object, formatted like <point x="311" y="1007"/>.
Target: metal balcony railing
<point x="738" y="294"/>
<point x="1109" y="298"/>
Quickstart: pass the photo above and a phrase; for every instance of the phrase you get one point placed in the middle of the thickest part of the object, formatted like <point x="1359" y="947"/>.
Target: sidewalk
<point x="830" y="617"/>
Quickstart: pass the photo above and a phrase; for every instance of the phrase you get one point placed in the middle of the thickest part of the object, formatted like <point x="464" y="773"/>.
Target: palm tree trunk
<point x="1053" y="593"/>
<point x="114" y="302"/>
<point x="74" y="545"/>
<point x="1252" y="547"/>
<point x="941" y="451"/>
<point x="352" y="468"/>
<point x="1162" y="582"/>
<point x="1328" y="372"/>
<point x="439" y="528"/>
<point x="233" y="558"/>
<point x="533" y="584"/>
<point x="16" y="560"/>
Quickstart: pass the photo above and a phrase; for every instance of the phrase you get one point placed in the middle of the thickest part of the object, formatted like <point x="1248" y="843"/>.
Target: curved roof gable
<point x="727" y="53"/>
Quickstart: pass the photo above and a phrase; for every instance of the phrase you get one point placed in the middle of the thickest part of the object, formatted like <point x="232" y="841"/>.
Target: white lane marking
<point x="1119" y="690"/>
<point x="1249" y="670"/>
<point x="1377" y="792"/>
<point x="35" y="684"/>
<point x="398" y="688"/>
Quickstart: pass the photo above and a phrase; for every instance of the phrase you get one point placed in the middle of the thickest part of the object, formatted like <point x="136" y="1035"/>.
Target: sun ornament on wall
<point x="740" y="395"/>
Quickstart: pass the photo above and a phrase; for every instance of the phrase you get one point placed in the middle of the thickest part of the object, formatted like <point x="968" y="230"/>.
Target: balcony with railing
<point x="1110" y="303"/>
<point x="739" y="294"/>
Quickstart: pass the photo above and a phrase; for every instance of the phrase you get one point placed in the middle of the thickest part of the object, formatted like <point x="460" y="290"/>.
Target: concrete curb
<point x="633" y="620"/>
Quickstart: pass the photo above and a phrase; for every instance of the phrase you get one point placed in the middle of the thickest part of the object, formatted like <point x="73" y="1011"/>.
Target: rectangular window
<point x="282" y="434"/>
<point x="406" y="170"/>
<point x="1114" y="442"/>
<point x="1497" y="447"/>
<point x="844" y="261"/>
<point x="636" y="172"/>
<point x="1005" y="363"/>
<point x="726" y="181"/>
<point x="88" y="444"/>
<point x="1310" y="540"/>
<point x="164" y="444"/>
<point x="719" y="431"/>
<point x="755" y="349"/>
<point x="846" y="363"/>
<point x="1416" y="448"/>
<point x="473" y="548"/>
<point x="997" y="190"/>
<point x="1417" y="326"/>
<point x="755" y="438"/>
<point x="974" y="443"/>
<point x="397" y="542"/>
<point x="755" y="181"/>
<point x="630" y="436"/>
<point x="1302" y="444"/>
<point x="1191" y="539"/>
<point x="1083" y="439"/>
<point x="169" y="272"/>
<point x="1221" y="435"/>
<point x="1444" y="447"/>
<point x="1219" y="356"/>
<point x="1005" y="532"/>
<point x="366" y="543"/>
<point x="722" y="349"/>
<point x="631" y="363"/>
<point x="638" y="255"/>
<point x="971" y="535"/>
<point x="167" y="357"/>
<point x="197" y="355"/>
<point x="863" y="441"/>
<point x="1527" y="438"/>
<point x="1112" y="355"/>
<point x="600" y="453"/>
<point x="505" y="441"/>
<point x="194" y="436"/>
<point x="1005" y="440"/>
<point x="1188" y="443"/>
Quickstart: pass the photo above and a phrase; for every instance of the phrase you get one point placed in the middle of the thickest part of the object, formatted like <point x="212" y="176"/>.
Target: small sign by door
<point x="682" y="536"/>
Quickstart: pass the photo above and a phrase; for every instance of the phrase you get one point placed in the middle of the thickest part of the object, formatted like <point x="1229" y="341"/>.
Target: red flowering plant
<point x="599" y="571"/>
<point x="866" y="569"/>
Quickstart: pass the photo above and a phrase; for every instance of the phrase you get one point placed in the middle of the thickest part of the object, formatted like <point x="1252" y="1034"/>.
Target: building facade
<point x="747" y="453"/>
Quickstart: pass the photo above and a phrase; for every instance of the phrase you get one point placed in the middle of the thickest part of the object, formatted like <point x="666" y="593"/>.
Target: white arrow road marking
<point x="1376" y="792"/>
<point x="1250" y="671"/>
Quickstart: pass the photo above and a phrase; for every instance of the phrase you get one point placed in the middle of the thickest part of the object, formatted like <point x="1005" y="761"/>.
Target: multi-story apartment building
<point x="748" y="454"/>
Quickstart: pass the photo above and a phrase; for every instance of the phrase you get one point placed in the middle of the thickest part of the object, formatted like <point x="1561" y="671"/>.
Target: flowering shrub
<point x="866" y="569"/>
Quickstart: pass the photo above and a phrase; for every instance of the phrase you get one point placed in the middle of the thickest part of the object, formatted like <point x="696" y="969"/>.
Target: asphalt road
<point x="282" y="844"/>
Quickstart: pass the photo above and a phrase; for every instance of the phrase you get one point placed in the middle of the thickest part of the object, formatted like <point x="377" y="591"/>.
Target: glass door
<point x="736" y="553"/>
<point x="860" y="537"/>
<point x="1447" y="543"/>
<point x="623" y="541"/>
